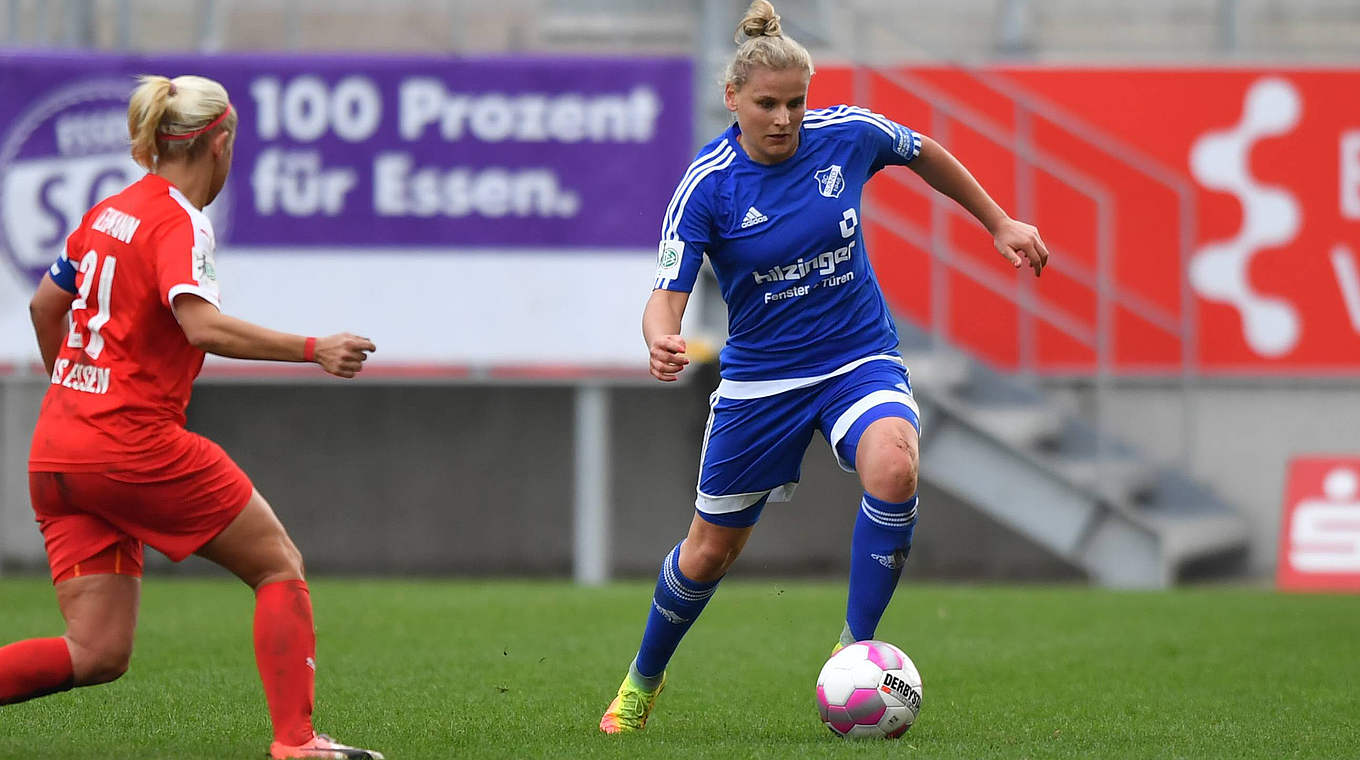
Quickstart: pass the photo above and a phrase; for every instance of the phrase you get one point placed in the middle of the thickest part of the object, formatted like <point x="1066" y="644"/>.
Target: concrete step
<point x="1020" y="425"/>
<point x="1118" y="479"/>
<point x="1190" y="535"/>
<point x="936" y="371"/>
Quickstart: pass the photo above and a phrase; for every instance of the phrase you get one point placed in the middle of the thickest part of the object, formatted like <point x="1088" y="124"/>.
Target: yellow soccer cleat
<point x="839" y="646"/>
<point x="630" y="708"/>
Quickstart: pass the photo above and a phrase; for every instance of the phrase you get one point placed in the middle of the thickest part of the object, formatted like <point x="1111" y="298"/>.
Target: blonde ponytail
<point x="170" y="119"/>
<point x="761" y="42"/>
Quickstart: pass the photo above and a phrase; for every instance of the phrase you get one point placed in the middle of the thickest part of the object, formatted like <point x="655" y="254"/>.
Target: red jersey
<point x="122" y="380"/>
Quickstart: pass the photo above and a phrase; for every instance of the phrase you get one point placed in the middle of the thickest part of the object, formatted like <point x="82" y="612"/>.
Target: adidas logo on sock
<point x="753" y="217"/>
<point x="671" y="616"/>
<point x="891" y="561"/>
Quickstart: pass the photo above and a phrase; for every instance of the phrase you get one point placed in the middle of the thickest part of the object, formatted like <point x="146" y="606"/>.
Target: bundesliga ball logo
<point x="870" y="689"/>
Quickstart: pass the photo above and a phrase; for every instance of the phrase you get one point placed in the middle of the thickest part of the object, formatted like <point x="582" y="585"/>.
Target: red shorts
<point x="97" y="522"/>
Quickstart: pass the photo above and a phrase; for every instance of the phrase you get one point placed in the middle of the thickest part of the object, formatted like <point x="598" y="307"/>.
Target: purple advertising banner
<point x="366" y="152"/>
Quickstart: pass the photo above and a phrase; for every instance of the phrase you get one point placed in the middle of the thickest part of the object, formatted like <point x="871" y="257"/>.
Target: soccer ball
<point x="870" y="689"/>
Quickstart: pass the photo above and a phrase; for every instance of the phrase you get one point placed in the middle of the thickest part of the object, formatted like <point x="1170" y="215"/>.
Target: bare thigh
<point x="255" y="546"/>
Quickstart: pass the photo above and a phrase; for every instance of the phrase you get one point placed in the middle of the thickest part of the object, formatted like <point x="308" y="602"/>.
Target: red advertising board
<point x="1320" y="535"/>
<point x="1259" y="273"/>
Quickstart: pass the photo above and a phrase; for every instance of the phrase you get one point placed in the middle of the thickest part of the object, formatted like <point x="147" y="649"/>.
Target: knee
<point x="99" y="662"/>
<point x="894" y="478"/>
<point x="110" y="667"/>
<point x="706" y="560"/>
<point x="284" y="563"/>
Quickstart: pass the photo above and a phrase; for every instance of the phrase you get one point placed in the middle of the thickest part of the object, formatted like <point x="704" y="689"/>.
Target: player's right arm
<point x="209" y="330"/>
<point x="48" y="309"/>
<point x="686" y="232"/>
<point x="661" y="329"/>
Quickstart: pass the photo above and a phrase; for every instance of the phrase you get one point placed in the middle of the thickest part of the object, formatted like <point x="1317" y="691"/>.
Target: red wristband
<point x="309" y="349"/>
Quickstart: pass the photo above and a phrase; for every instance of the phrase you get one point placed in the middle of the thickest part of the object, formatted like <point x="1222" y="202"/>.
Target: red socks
<point x="34" y="668"/>
<point x="285" y="651"/>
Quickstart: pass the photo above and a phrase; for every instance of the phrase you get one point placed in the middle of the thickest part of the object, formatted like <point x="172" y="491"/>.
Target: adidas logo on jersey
<point x="753" y="217"/>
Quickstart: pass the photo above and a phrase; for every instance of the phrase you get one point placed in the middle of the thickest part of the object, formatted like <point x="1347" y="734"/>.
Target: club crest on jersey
<point x="830" y="181"/>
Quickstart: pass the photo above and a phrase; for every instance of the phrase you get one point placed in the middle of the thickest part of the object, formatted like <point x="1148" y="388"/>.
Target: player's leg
<point x="257" y="549"/>
<point x="101" y="618"/>
<point x="874" y="430"/>
<point x="689" y="576"/>
<point x="200" y="502"/>
<point x="96" y="571"/>
<point x="887" y="462"/>
<point x="101" y="615"/>
<point x="752" y="452"/>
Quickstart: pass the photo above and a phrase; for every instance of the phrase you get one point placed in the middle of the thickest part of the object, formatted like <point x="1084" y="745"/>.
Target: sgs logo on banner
<point x="61" y="156"/>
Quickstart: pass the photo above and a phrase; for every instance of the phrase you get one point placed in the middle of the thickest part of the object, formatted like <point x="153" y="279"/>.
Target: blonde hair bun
<point x="760" y="21"/>
<point x="761" y="43"/>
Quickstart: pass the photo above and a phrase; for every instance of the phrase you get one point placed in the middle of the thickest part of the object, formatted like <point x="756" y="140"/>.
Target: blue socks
<point x="878" y="552"/>
<point x="882" y="539"/>
<point x="676" y="603"/>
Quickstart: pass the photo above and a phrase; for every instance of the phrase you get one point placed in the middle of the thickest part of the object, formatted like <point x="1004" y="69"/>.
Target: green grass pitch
<point x="436" y="669"/>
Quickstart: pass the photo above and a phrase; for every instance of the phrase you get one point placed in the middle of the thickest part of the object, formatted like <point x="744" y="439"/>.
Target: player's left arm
<point x="1017" y="241"/>
<point x="48" y="309"/>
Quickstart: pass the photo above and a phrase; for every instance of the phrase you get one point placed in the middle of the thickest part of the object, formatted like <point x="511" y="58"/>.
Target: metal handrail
<point x="1124" y="152"/>
<point x="1133" y="158"/>
<point x="980" y="123"/>
<point x="1070" y="324"/>
<point x="1109" y="295"/>
<point x="1153" y="313"/>
<point x="1180" y="184"/>
<point x="1073" y="178"/>
<point x="1129" y="156"/>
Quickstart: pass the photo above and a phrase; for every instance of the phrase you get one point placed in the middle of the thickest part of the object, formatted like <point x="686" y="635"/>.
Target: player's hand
<point x="668" y="357"/>
<point x="343" y="354"/>
<point x="1020" y="244"/>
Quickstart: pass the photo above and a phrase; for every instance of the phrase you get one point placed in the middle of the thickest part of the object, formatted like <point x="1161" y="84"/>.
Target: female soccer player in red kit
<point x="112" y="467"/>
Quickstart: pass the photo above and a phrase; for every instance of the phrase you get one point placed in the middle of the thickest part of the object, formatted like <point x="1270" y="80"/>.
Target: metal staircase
<point x="1022" y="457"/>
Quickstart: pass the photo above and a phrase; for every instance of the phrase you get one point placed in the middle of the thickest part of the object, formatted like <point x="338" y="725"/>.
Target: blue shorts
<point x="754" y="445"/>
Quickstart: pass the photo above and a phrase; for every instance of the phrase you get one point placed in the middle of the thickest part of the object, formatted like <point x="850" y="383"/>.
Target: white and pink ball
<point x="870" y="689"/>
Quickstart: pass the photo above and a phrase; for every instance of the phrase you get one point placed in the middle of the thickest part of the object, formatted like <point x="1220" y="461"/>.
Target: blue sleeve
<point x="687" y="230"/>
<point x="886" y="142"/>
<point x="63" y="273"/>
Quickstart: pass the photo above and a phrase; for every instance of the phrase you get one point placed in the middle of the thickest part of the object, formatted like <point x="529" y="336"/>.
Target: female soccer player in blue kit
<point x="774" y="202"/>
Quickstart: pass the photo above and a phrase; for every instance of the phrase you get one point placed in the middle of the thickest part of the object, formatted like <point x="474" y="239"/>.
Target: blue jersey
<point x="786" y="243"/>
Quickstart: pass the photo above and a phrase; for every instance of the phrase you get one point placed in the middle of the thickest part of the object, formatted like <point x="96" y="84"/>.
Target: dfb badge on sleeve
<point x="668" y="259"/>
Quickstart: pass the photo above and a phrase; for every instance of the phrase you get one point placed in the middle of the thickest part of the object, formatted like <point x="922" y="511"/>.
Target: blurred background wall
<point x="1119" y="420"/>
